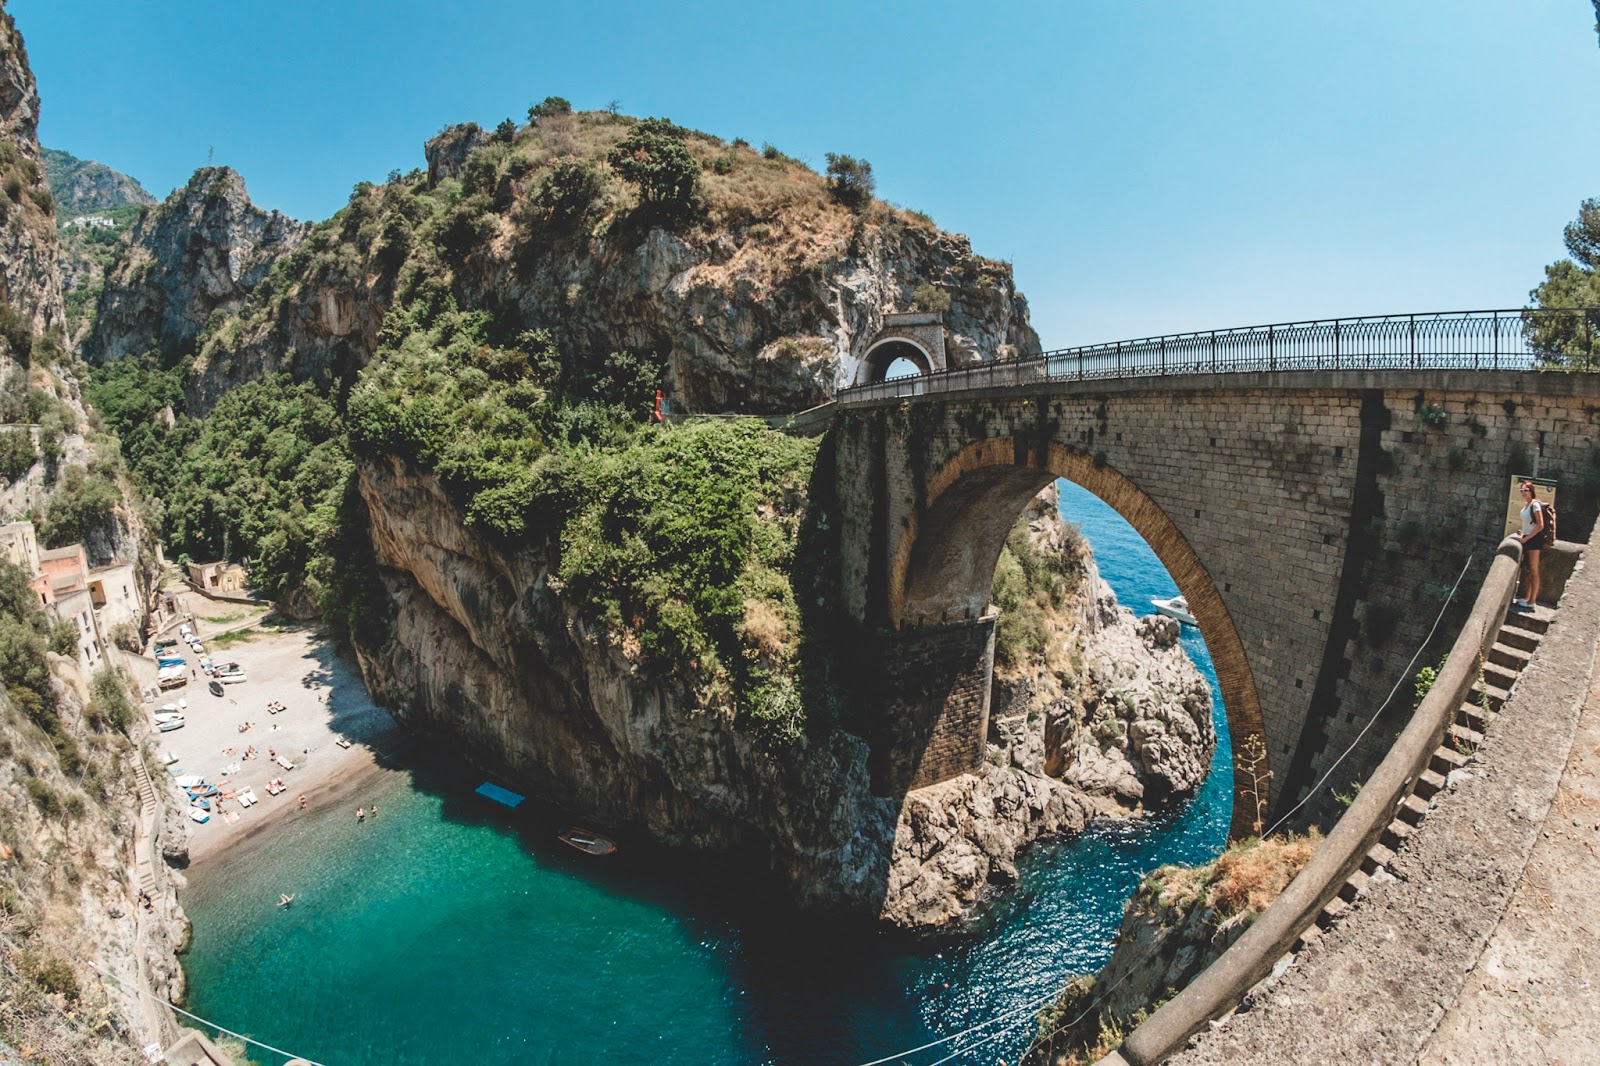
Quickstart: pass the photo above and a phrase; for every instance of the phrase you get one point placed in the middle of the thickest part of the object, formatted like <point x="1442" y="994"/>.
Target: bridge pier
<point x="934" y="703"/>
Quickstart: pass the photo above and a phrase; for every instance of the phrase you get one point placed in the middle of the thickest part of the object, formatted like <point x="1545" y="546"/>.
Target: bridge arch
<point x="942" y="570"/>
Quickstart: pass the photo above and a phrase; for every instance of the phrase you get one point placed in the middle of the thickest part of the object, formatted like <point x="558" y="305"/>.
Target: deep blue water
<point x="451" y="931"/>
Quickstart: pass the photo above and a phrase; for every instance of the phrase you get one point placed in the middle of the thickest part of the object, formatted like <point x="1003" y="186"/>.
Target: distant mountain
<point x="95" y="206"/>
<point x="82" y="186"/>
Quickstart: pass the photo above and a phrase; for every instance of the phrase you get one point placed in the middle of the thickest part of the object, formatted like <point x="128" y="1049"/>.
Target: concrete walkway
<point x="1534" y="995"/>
<point x="1478" y="945"/>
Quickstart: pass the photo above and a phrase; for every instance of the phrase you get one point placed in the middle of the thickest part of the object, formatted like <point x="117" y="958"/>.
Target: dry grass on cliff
<point x="1241" y="882"/>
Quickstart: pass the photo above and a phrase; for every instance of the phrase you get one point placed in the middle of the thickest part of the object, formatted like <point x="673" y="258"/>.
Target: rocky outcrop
<point x="1180" y="920"/>
<point x="199" y="253"/>
<point x="1131" y="730"/>
<point x="447" y="150"/>
<point x="29" y="282"/>
<point x="479" y="649"/>
<point x="82" y="186"/>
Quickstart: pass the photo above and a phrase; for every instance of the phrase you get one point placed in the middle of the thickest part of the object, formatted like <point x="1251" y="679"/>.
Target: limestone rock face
<point x="482" y="653"/>
<point x="29" y="282"/>
<point x="198" y="253"/>
<point x="447" y="150"/>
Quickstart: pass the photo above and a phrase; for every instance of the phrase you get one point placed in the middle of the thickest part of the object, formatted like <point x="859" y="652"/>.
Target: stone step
<point x="1332" y="911"/>
<point x="1377" y="857"/>
<point x="1395" y="835"/>
<point x="1499" y="676"/>
<point x="1534" y="621"/>
<point x="1412" y="810"/>
<point x="1463" y="737"/>
<point x="1353" y="886"/>
<point x="1471" y="715"/>
<point x="1429" y="784"/>
<point x="1497" y="696"/>
<point x="1519" y="639"/>
<point x="1513" y="659"/>
<point x="1446" y="759"/>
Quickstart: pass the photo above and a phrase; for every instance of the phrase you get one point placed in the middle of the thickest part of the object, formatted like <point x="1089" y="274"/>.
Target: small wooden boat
<point x="586" y="841"/>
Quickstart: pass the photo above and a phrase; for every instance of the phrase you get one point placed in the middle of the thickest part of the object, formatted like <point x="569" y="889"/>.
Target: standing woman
<point x="1532" y="539"/>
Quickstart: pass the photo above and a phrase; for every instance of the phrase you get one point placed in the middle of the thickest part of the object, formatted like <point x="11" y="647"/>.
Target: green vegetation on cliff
<point x="262" y="475"/>
<point x="678" y="540"/>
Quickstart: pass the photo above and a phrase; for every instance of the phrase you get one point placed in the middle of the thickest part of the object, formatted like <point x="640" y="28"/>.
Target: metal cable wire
<point x="1381" y="707"/>
<point x="210" y="1024"/>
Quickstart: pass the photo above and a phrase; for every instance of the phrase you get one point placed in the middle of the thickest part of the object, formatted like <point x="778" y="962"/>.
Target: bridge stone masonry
<point x="1316" y="520"/>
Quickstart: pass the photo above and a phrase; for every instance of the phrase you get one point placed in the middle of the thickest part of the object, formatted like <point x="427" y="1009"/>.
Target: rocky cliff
<point x="96" y="206"/>
<point x="29" y="283"/>
<point x="479" y="649"/>
<point x="71" y="820"/>
<point x="198" y="254"/>
<point x="762" y="301"/>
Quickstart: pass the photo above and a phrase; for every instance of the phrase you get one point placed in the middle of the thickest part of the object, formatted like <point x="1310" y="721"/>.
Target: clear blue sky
<point x="1147" y="167"/>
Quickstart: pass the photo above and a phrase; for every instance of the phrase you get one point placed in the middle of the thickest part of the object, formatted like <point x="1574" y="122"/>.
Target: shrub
<point x="17" y="454"/>
<point x="929" y="297"/>
<point x="108" y="699"/>
<point x="17" y="329"/>
<point x="505" y="132"/>
<point x="49" y="972"/>
<point x="653" y="156"/>
<point x="850" y="181"/>
<point x="549" y="106"/>
<point x="569" y="192"/>
<point x="64" y="639"/>
<point x="82" y="505"/>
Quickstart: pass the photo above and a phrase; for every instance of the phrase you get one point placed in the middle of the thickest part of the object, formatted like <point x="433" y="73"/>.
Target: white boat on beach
<point x="1177" y="607"/>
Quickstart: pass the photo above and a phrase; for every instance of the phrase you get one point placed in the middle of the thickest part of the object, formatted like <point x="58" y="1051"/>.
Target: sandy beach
<point x="325" y="707"/>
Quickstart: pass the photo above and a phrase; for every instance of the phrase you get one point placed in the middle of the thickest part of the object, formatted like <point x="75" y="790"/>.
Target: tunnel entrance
<point x="896" y="358"/>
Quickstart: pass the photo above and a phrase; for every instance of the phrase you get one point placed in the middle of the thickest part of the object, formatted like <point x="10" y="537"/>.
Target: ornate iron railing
<point x="1517" y="339"/>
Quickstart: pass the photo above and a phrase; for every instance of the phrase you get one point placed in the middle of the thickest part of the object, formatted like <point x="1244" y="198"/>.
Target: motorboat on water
<point x="1176" y="607"/>
<point x="586" y="841"/>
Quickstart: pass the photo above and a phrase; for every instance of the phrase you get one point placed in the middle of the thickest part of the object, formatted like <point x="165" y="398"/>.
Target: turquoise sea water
<point x="452" y="931"/>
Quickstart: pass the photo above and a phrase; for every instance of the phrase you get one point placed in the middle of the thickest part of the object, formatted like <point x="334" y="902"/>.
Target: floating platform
<point x="499" y="795"/>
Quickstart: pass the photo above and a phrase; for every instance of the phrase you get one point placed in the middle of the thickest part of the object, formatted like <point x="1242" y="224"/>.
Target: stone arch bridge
<point x="1314" y="504"/>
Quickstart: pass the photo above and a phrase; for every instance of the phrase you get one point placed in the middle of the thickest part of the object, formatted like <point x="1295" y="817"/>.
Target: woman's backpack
<point x="1548" y="537"/>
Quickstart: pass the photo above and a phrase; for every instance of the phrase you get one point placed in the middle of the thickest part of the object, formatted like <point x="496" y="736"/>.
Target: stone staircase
<point x="1519" y="638"/>
<point x="149" y="808"/>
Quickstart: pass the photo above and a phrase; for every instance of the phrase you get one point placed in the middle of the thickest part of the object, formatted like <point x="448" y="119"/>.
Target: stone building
<point x="220" y="577"/>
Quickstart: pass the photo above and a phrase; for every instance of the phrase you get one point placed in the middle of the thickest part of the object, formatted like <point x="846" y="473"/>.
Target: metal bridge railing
<point x="1516" y="339"/>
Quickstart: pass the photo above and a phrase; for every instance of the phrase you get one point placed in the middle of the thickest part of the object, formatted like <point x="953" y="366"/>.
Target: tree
<point x="850" y="181"/>
<point x="569" y="191"/>
<point x="654" y="157"/>
<point x="1570" y="339"/>
<point x="506" y="132"/>
<point x="549" y="106"/>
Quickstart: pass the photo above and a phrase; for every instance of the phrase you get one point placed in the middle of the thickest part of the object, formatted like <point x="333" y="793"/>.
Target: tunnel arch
<point x="942" y="570"/>
<point x="875" y="364"/>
